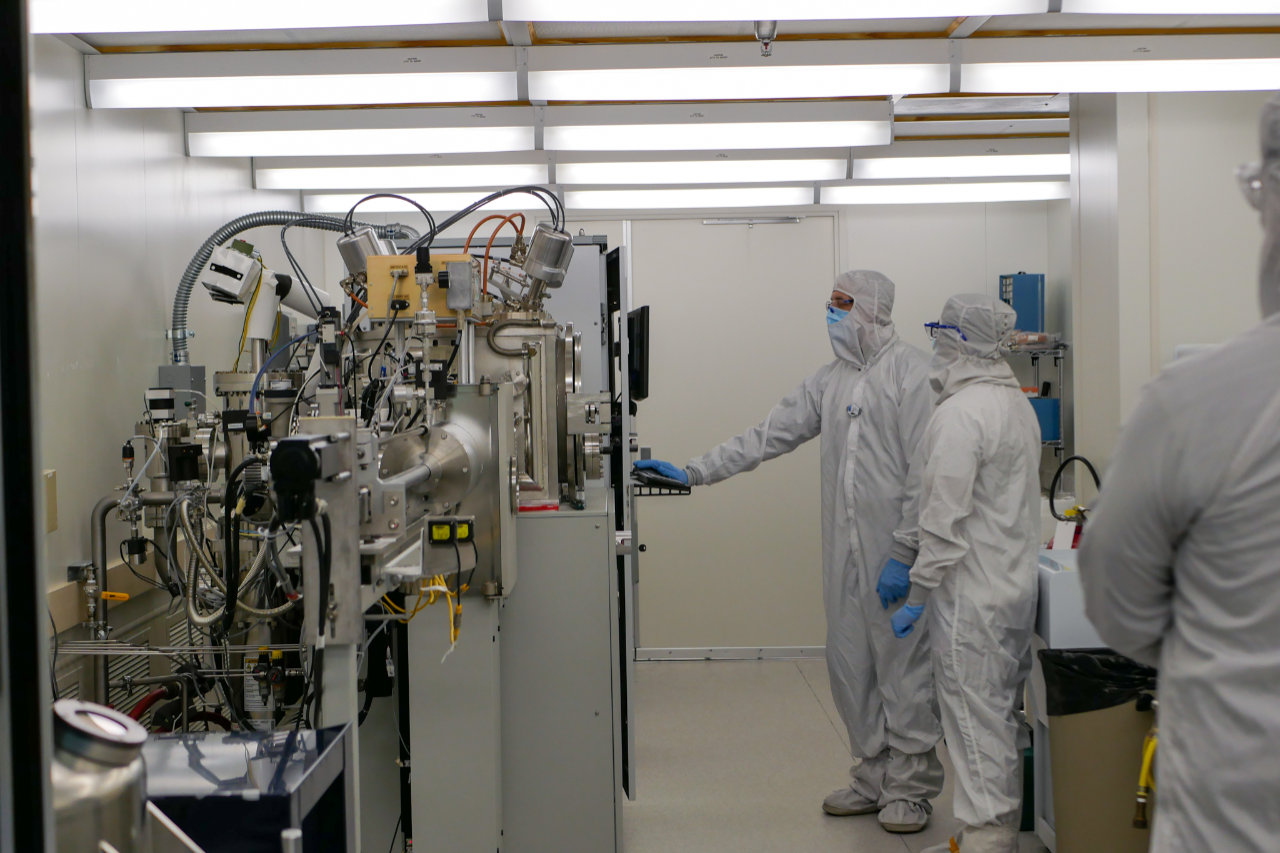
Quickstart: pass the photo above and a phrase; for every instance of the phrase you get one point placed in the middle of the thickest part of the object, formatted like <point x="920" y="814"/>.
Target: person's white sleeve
<point x="1126" y="553"/>
<point x="792" y="422"/>
<point x="946" y="494"/>
<point x="913" y="419"/>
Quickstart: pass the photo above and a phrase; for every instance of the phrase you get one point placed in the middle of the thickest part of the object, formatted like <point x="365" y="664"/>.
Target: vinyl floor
<point x="737" y="756"/>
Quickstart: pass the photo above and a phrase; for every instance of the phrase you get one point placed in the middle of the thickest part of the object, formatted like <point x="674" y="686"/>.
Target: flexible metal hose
<point x="236" y="226"/>
<point x="197" y="559"/>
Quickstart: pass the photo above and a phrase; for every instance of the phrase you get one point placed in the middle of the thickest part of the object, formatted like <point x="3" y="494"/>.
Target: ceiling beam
<point x="964" y="27"/>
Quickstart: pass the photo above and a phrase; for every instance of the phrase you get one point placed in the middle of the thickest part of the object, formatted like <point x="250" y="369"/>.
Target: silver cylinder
<point x="357" y="246"/>
<point x="99" y="779"/>
<point x="549" y="254"/>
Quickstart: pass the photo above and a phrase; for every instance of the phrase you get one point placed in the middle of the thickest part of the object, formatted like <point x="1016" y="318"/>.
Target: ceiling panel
<point x="424" y="32"/>
<point x="1137" y="22"/>
<point x="925" y="105"/>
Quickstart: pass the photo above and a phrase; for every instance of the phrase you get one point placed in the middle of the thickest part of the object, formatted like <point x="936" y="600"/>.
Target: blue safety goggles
<point x="934" y="328"/>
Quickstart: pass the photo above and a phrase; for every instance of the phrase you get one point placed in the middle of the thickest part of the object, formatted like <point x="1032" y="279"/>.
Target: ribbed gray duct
<point x="231" y="229"/>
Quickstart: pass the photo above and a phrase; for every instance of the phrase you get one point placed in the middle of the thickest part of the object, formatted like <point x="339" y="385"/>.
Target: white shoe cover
<point x="845" y="801"/>
<point x="989" y="839"/>
<point x="904" y="816"/>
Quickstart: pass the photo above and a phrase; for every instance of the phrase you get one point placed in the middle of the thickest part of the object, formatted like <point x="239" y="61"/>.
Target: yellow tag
<point x="955" y="848"/>
<point x="440" y="533"/>
<point x="464" y="530"/>
<point x="114" y="596"/>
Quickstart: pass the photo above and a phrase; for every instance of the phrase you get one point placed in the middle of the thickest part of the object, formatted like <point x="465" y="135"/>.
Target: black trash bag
<point x="1077" y="681"/>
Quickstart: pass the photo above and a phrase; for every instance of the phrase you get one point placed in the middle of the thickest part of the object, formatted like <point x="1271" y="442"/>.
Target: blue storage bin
<point x="1047" y="409"/>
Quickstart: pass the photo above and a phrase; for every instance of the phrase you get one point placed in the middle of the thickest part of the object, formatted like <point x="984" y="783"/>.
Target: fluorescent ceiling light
<point x="1170" y="7"/>
<point x="393" y="177"/>
<point x="711" y="137"/>
<point x="434" y="202"/>
<point x="701" y="172"/>
<point x="1133" y="75"/>
<point x="752" y="10"/>
<point x="302" y="90"/>
<point x="315" y="143"/>
<point x="737" y="83"/>
<point x="988" y="166"/>
<point x="946" y="193"/>
<point x="149" y="16"/>
<point x="658" y="199"/>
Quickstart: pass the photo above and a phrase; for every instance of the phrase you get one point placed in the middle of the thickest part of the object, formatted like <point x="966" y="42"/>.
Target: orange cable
<point x="467" y="247"/>
<point x="519" y="233"/>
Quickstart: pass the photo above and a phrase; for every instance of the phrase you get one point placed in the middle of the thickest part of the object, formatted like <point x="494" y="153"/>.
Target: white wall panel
<point x="736" y="324"/>
<point x="1208" y="236"/>
<point x="119" y="212"/>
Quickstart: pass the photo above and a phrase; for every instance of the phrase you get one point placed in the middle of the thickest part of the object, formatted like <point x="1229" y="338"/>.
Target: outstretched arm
<point x="792" y="422"/>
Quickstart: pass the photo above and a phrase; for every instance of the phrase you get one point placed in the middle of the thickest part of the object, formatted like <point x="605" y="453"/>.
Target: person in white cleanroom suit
<point x="1180" y="562"/>
<point x="870" y="406"/>
<point x="975" y="575"/>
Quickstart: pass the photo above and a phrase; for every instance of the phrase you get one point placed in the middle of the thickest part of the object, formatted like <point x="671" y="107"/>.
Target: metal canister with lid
<point x="99" y="779"/>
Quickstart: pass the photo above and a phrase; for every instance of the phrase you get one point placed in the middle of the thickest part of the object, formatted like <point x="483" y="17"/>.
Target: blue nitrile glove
<point x="666" y="469"/>
<point x="904" y="621"/>
<point x="895" y="582"/>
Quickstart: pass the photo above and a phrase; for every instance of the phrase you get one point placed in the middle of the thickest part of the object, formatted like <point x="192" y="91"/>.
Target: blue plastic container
<point x="1047" y="409"/>
<point x="1025" y="292"/>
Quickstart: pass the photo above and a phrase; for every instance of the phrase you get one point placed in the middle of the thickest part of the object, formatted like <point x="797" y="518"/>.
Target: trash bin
<point x="1095" y="738"/>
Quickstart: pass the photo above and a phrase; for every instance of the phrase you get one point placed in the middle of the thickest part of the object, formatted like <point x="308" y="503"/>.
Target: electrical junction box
<point x="441" y="298"/>
<point x="1025" y="293"/>
<point x="392" y="277"/>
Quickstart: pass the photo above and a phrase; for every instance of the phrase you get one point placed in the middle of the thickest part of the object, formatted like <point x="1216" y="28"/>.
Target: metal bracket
<point x="954" y="48"/>
<point x="80" y="571"/>
<point x="175" y="335"/>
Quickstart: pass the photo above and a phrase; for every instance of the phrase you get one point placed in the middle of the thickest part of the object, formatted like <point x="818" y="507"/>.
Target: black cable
<point x="53" y="664"/>
<point x="307" y="287"/>
<point x="1053" y="485"/>
<point x="324" y="552"/>
<point x="349" y="221"/>
<point x="383" y="342"/>
<point x="394" y="833"/>
<point x="231" y="535"/>
<point x="364" y="712"/>
<point x="134" y="571"/>
<point x="548" y="198"/>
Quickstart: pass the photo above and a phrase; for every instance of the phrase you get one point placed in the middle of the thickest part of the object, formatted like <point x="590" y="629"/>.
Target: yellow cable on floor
<point x="1146" y="779"/>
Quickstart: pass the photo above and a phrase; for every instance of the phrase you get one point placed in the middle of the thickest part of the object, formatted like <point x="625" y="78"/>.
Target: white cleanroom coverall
<point x="1180" y="562"/>
<point x="870" y="406"/>
<point x="979" y="543"/>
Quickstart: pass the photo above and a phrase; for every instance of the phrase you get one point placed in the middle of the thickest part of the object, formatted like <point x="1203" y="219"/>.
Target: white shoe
<point x="845" y="801"/>
<point x="904" y="816"/>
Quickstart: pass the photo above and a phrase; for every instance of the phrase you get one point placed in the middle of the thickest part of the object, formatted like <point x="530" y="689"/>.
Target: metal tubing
<point x="98" y="548"/>
<point x="180" y="680"/>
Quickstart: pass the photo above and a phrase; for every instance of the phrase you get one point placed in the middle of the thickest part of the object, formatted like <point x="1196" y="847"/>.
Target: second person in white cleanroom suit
<point x="976" y="570"/>
<point x="870" y="405"/>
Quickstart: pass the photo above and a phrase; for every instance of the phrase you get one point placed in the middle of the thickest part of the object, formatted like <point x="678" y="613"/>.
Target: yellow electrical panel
<point x="381" y="279"/>
<point x="388" y="272"/>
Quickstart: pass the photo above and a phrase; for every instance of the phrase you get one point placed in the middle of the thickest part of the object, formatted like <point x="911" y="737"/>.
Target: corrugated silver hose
<point x="236" y="226"/>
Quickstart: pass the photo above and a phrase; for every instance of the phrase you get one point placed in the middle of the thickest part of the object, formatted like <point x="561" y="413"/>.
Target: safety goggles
<point x="1250" y="177"/>
<point x="841" y="304"/>
<point x="935" y="328"/>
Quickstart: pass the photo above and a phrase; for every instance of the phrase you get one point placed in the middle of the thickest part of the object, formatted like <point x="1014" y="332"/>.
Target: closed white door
<point x="736" y="322"/>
